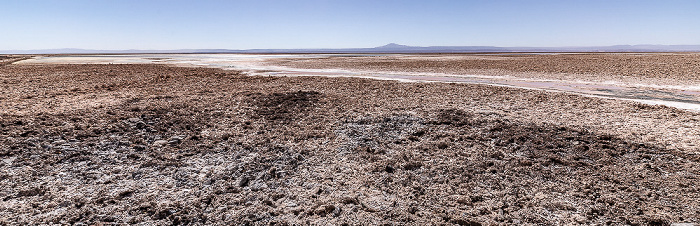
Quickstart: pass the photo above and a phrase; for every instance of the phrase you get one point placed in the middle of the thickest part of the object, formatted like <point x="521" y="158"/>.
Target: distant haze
<point x="389" y="48"/>
<point x="338" y="24"/>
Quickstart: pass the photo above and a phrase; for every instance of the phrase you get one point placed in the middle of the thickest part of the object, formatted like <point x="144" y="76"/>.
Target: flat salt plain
<point x="683" y="96"/>
<point x="126" y="143"/>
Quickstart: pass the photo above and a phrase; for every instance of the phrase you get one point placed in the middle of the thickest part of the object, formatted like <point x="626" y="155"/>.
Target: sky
<point x="285" y="24"/>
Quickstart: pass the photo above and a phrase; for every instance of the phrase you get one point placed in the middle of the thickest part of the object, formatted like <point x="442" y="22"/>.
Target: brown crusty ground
<point x="680" y="69"/>
<point x="166" y="145"/>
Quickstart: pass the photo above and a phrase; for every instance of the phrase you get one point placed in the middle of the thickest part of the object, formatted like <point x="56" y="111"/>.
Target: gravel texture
<point x="682" y="69"/>
<point x="152" y="144"/>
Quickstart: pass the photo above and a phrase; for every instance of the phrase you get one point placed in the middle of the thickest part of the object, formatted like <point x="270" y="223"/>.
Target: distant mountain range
<point x="389" y="48"/>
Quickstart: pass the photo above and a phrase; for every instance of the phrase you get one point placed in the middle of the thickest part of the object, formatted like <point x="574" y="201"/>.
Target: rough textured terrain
<point x="165" y="145"/>
<point x="681" y="69"/>
<point x="5" y="60"/>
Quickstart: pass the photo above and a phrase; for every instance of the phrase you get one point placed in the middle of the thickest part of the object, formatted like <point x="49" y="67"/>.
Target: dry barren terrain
<point x="154" y="144"/>
<point x="681" y="69"/>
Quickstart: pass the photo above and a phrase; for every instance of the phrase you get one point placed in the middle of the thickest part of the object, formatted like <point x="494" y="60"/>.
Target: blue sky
<point x="247" y="24"/>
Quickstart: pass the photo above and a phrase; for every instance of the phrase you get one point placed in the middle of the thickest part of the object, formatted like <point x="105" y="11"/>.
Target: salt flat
<point x="679" y="92"/>
<point x="181" y="143"/>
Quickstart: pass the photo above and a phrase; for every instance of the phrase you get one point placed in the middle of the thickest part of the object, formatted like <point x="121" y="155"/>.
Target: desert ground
<point x="157" y="144"/>
<point x="652" y="68"/>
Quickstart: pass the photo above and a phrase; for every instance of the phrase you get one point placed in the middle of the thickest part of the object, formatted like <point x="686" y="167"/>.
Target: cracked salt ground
<point x="317" y="150"/>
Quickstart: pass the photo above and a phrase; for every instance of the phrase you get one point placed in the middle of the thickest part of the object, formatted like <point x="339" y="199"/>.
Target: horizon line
<point x="388" y="48"/>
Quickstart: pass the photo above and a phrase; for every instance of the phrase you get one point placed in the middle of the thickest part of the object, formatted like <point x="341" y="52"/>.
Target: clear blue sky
<point x="246" y="24"/>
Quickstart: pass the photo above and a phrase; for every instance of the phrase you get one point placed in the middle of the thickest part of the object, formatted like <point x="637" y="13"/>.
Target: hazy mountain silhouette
<point x="388" y="48"/>
<point x="393" y="46"/>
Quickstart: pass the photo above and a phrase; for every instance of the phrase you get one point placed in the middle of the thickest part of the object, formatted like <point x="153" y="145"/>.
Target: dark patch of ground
<point x="284" y="106"/>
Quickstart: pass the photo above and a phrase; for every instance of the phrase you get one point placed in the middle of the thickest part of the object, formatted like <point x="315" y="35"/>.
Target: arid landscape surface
<point x="652" y="68"/>
<point x="159" y="144"/>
